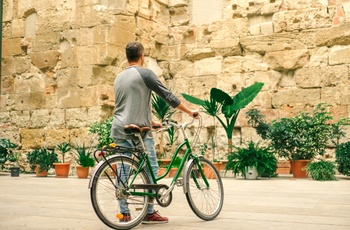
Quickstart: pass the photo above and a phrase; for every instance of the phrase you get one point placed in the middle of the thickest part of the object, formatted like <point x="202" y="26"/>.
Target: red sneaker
<point x="126" y="217"/>
<point x="155" y="218"/>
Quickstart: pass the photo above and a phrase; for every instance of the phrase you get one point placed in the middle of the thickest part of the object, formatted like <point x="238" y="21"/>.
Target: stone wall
<point x="60" y="58"/>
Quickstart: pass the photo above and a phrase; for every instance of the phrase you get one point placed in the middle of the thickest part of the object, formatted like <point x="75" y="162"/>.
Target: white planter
<point x="251" y="173"/>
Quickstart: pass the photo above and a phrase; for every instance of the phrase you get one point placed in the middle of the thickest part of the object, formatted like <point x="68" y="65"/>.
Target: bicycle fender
<point x="185" y="182"/>
<point x="99" y="165"/>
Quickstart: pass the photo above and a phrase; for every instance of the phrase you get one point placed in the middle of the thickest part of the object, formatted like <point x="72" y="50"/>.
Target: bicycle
<point x="122" y="176"/>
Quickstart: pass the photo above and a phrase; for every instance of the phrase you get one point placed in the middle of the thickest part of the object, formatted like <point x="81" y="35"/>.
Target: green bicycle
<point x="123" y="176"/>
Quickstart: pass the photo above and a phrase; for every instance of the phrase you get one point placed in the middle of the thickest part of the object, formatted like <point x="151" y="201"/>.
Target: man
<point x="132" y="91"/>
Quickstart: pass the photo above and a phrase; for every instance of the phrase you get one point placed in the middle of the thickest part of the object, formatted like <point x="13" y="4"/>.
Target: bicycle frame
<point x="144" y="160"/>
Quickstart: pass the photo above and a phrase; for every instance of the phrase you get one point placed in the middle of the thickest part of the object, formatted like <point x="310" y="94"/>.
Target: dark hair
<point x="134" y="50"/>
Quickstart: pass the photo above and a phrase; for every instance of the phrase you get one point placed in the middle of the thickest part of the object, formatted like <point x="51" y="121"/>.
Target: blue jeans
<point x="149" y="145"/>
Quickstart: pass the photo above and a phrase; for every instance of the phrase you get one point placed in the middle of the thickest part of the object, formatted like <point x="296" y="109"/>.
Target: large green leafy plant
<point x="226" y="108"/>
<point x="163" y="111"/>
<point x="64" y="148"/>
<point x="6" y="147"/>
<point x="342" y="158"/>
<point x="321" y="170"/>
<point x="301" y="137"/>
<point x="43" y="158"/>
<point x="250" y="155"/>
<point x="103" y="130"/>
<point x="84" y="155"/>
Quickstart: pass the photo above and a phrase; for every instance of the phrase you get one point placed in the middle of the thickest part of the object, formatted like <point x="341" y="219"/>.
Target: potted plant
<point x="84" y="160"/>
<point x="174" y="167"/>
<point x="342" y="158"/>
<point x="163" y="111"/>
<point x="220" y="103"/>
<point x="300" y="138"/>
<point x="6" y="147"/>
<point x="103" y="130"/>
<point x="41" y="160"/>
<point x="62" y="169"/>
<point x="14" y="157"/>
<point x="321" y="170"/>
<point x="252" y="161"/>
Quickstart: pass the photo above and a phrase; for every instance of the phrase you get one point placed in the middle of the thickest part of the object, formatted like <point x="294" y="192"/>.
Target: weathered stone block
<point x="339" y="55"/>
<point x="296" y="98"/>
<point x="53" y="137"/>
<point x="45" y="60"/>
<point x="199" y="53"/>
<point x="253" y="62"/>
<point x="227" y="47"/>
<point x="17" y="28"/>
<point x="255" y="30"/>
<point x="318" y="57"/>
<point x="15" y="65"/>
<point x="179" y="16"/>
<point x="76" y="117"/>
<point x="309" y="18"/>
<point x="69" y="98"/>
<point x="57" y="119"/>
<point x="11" y="47"/>
<point x="32" y="138"/>
<point x="39" y="118"/>
<point x="176" y="2"/>
<point x="266" y="28"/>
<point x="269" y="43"/>
<point x="321" y="76"/>
<point x="208" y="66"/>
<point x="287" y="60"/>
<point x="335" y="35"/>
<point x="46" y="41"/>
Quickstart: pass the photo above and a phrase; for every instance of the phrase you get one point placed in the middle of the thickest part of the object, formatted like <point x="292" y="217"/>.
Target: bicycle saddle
<point x="135" y="129"/>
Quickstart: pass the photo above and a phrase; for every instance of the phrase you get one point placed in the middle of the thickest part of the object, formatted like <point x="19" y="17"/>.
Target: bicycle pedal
<point x="179" y="182"/>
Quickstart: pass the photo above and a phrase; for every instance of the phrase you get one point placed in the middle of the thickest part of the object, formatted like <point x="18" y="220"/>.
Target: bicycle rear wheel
<point x="205" y="200"/>
<point x="111" y="198"/>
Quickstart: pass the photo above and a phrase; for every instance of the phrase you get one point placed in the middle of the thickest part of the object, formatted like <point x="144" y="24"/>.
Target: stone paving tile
<point x="28" y="202"/>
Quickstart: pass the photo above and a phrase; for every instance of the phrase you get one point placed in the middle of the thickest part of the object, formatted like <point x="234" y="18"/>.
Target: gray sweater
<point x="132" y="91"/>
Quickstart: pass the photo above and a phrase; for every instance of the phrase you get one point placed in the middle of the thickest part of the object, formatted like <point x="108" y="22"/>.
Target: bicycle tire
<point x="106" y="195"/>
<point x="206" y="202"/>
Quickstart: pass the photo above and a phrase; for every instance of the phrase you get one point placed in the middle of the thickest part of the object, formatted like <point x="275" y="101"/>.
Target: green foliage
<point x="64" y="148"/>
<point x="43" y="158"/>
<point x="300" y="137"/>
<point x="230" y="107"/>
<point x="176" y="163"/>
<point x="160" y="108"/>
<point x="103" y="131"/>
<point x="6" y="147"/>
<point x="84" y="155"/>
<point x="172" y="135"/>
<point x="252" y="155"/>
<point x="321" y="170"/>
<point x="14" y="157"/>
<point x="342" y="156"/>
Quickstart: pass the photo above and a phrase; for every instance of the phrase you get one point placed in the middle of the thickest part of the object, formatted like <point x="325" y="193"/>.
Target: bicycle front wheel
<point x="205" y="196"/>
<point x="116" y="202"/>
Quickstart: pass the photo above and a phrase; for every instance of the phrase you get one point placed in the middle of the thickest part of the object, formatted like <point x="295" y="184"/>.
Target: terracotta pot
<point x="40" y="174"/>
<point x="82" y="172"/>
<point x="172" y="172"/>
<point x="164" y="162"/>
<point x="297" y="166"/>
<point x="62" y="169"/>
<point x="208" y="172"/>
<point x="161" y="171"/>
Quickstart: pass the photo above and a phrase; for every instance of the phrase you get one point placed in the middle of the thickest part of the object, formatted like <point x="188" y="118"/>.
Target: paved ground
<point x="28" y="202"/>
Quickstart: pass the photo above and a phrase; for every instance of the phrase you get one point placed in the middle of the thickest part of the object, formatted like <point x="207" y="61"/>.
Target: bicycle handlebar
<point x="169" y="124"/>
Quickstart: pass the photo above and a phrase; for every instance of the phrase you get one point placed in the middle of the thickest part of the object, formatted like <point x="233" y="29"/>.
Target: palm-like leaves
<point x="160" y="108"/>
<point x="230" y="107"/>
